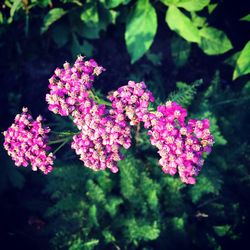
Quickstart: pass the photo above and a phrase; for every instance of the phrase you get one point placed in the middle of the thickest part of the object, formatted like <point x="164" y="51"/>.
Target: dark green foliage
<point x="139" y="207"/>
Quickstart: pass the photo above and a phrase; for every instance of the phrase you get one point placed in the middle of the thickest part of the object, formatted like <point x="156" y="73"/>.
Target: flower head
<point x="180" y="145"/>
<point x="69" y="86"/>
<point x="26" y="142"/>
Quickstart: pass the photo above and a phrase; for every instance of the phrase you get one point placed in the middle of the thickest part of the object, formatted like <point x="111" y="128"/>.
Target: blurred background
<point x="195" y="52"/>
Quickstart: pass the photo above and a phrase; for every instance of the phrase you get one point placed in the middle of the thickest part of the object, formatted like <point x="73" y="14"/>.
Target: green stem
<point x="64" y="133"/>
<point x="98" y="100"/>
<point x="58" y="148"/>
<point x="60" y="140"/>
<point x="104" y="102"/>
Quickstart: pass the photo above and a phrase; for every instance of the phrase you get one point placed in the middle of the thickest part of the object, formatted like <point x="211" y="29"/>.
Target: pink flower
<point x="103" y="134"/>
<point x="180" y="146"/>
<point x="69" y="86"/>
<point x="132" y="100"/>
<point x="26" y="142"/>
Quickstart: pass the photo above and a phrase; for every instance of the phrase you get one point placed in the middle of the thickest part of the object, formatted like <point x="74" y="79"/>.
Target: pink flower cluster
<point x="180" y="146"/>
<point x="26" y="142"/>
<point x="133" y="100"/>
<point x="68" y="86"/>
<point x="102" y="135"/>
<point x="104" y="132"/>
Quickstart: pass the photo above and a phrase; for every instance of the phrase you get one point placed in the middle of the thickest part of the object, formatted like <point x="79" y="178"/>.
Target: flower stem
<point x="60" y="140"/>
<point x="61" y="145"/>
<point x="98" y="100"/>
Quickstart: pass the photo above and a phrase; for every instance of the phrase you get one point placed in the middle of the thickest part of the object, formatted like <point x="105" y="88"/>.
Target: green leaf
<point x="90" y="15"/>
<point x="112" y="205"/>
<point x="92" y="26"/>
<point x="141" y="230"/>
<point x="108" y="236"/>
<point x="154" y="58"/>
<point x="169" y="2"/>
<point x="141" y="28"/>
<point x="113" y="3"/>
<point x="90" y="244"/>
<point x="214" y="128"/>
<point x="193" y="5"/>
<point x="232" y="59"/>
<point x="243" y="62"/>
<point x="182" y="25"/>
<point x="211" y="7"/>
<point x="76" y="48"/>
<point x="204" y="186"/>
<point x="214" y="41"/>
<point x="198" y="21"/>
<point x="246" y="18"/>
<point x="52" y="16"/>
<point x="1" y="17"/>
<point x="42" y="3"/>
<point x="186" y="93"/>
<point x="17" y="4"/>
<point x="222" y="230"/>
<point x="93" y="215"/>
<point x="60" y="35"/>
<point x="180" y="50"/>
<point x="178" y="223"/>
<point x="129" y="178"/>
<point x="87" y="48"/>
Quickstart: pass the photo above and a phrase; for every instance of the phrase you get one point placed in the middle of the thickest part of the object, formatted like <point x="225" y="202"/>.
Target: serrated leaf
<point x="214" y="41"/>
<point x="129" y="176"/>
<point x="93" y="215"/>
<point x="141" y="230"/>
<point x="90" y="244"/>
<point x="193" y="5"/>
<point x="141" y="28"/>
<point x="243" y="62"/>
<point x="180" y="50"/>
<point x="182" y="25"/>
<point x="52" y="16"/>
<point x="246" y="18"/>
<point x="108" y="236"/>
<point x="112" y="205"/>
<point x="204" y="186"/>
<point x="214" y="128"/>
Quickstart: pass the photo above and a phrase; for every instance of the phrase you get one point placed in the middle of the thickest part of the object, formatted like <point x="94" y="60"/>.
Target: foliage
<point x="131" y="210"/>
<point x="191" y="60"/>
<point x="88" y="19"/>
<point x="242" y="63"/>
